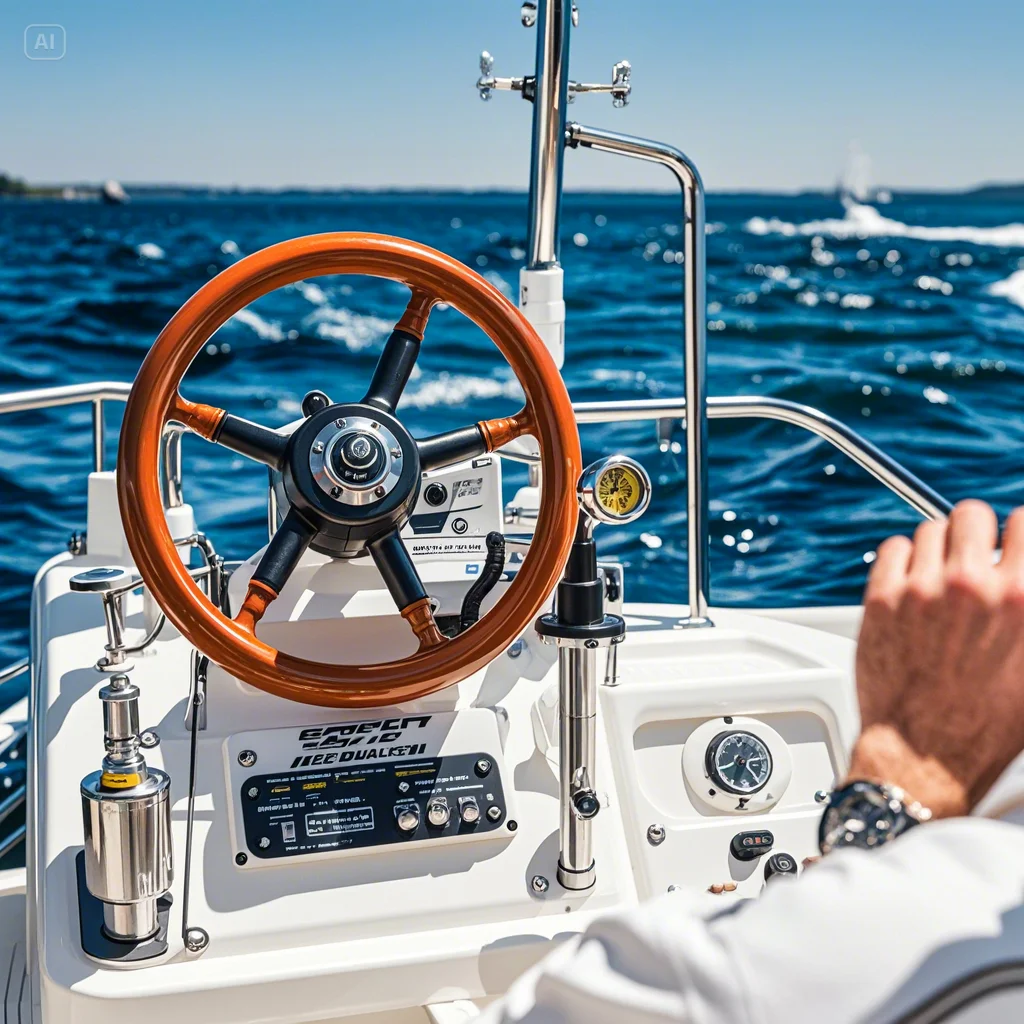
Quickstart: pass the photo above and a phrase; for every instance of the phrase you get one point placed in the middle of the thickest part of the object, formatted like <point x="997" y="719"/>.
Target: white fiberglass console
<point x="384" y="860"/>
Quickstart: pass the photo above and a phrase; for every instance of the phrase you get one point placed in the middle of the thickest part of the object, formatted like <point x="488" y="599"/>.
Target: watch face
<point x="738" y="762"/>
<point x="619" y="490"/>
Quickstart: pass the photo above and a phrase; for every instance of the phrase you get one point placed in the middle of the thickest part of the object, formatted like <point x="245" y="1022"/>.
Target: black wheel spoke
<point x="453" y="446"/>
<point x="399" y="356"/>
<point x="252" y="440"/>
<point x="393" y="370"/>
<point x="403" y="581"/>
<point x="283" y="552"/>
<point x="395" y="564"/>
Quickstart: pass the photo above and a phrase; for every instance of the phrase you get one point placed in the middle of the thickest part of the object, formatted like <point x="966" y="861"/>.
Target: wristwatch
<point x="867" y="814"/>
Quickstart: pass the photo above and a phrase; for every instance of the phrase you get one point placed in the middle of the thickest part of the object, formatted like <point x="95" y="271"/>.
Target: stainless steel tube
<point x="577" y="739"/>
<point x="98" y="393"/>
<point x="66" y="394"/>
<point x="99" y="435"/>
<point x="882" y="467"/>
<point x="130" y="922"/>
<point x="694" y="342"/>
<point x="548" y="151"/>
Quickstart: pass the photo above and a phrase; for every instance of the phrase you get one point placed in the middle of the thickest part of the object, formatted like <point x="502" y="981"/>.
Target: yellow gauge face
<point x="619" y="490"/>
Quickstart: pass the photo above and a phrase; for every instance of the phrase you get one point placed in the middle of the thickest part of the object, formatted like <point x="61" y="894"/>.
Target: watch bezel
<point x="881" y="811"/>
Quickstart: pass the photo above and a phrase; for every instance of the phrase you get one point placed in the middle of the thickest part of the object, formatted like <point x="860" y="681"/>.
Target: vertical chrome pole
<point x="694" y="343"/>
<point x="548" y="151"/>
<point x="577" y="752"/>
<point x="98" y="434"/>
<point x="171" y="479"/>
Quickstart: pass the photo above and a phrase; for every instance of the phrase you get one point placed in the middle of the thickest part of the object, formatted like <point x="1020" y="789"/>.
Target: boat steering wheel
<point x="351" y="473"/>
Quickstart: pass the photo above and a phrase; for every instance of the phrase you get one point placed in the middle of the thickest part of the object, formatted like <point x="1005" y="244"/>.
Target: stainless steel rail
<point x="13" y="670"/>
<point x="97" y="393"/>
<point x="548" y="152"/>
<point x="694" y="341"/>
<point x="883" y="467"/>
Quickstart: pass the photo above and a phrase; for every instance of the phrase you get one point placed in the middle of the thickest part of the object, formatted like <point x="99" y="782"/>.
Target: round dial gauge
<point x="619" y="490"/>
<point x="738" y="762"/>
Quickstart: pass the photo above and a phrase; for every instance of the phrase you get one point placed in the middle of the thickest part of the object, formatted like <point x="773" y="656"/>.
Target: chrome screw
<point x="493" y="813"/>
<point x="76" y="543"/>
<point x="539" y="883"/>
<point x="264" y="843"/>
<point x="674" y="888"/>
<point x="516" y="648"/>
<point x="247" y="758"/>
<point x="252" y="792"/>
<point x="375" y="426"/>
<point x="340" y="422"/>
<point x="196" y="940"/>
<point x="656" y="835"/>
<point x="380" y="491"/>
<point x="396" y="453"/>
<point x="404" y="787"/>
<point x="318" y="447"/>
<point x="483" y="766"/>
<point x="149" y="739"/>
<point x="335" y="492"/>
<point x="821" y="796"/>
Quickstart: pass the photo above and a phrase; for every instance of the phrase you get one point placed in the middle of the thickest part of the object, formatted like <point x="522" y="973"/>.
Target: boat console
<point x="382" y="766"/>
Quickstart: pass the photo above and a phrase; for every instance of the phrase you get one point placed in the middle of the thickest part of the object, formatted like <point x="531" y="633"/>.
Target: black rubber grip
<point x="494" y="566"/>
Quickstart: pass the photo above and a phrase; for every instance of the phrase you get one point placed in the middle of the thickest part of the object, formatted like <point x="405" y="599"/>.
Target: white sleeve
<point x="860" y="936"/>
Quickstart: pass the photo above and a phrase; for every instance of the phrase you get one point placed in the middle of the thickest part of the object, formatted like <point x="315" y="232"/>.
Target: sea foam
<point x="863" y="221"/>
<point x="1011" y="288"/>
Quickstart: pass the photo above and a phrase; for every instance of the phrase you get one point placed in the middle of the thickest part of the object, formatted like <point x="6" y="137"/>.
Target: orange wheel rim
<point x="155" y="399"/>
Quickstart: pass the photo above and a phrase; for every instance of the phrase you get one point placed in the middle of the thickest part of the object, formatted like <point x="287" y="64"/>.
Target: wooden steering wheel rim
<point x="154" y="400"/>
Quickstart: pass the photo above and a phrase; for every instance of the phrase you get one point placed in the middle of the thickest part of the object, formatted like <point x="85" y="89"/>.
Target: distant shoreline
<point x="13" y="188"/>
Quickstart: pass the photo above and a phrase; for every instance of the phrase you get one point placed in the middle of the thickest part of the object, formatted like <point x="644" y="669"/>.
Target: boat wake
<point x="863" y="221"/>
<point x="1011" y="289"/>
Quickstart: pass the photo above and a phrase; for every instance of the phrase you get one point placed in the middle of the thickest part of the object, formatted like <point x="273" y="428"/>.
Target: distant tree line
<point x="12" y="186"/>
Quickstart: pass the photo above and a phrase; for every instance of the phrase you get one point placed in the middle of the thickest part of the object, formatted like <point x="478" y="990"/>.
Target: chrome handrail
<point x="695" y="388"/>
<point x="868" y="456"/>
<point x="13" y="670"/>
<point x="97" y="393"/>
<point x="883" y="467"/>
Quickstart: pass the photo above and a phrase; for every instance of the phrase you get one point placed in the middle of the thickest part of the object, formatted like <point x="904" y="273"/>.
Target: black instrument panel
<point x="320" y="810"/>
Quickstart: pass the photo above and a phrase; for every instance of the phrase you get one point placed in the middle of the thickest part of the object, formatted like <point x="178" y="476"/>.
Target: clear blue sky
<point x="760" y="94"/>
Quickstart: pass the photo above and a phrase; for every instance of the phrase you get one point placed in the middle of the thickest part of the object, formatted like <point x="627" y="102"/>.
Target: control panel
<point x="345" y="807"/>
<point x="355" y="786"/>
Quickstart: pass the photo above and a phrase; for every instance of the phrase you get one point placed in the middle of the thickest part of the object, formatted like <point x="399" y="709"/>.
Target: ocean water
<point x="904" y="320"/>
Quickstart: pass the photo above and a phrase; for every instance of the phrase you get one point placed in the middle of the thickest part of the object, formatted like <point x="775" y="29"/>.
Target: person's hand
<point x="940" y="660"/>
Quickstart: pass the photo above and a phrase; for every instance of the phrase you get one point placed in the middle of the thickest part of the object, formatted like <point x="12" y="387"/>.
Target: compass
<point x="615" y="490"/>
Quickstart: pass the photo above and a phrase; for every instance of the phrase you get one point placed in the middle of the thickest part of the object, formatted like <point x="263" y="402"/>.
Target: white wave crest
<point x="456" y="389"/>
<point x="356" y="331"/>
<point x="265" y="329"/>
<point x="862" y="221"/>
<point x="150" y="251"/>
<point x="311" y="292"/>
<point x="1011" y="289"/>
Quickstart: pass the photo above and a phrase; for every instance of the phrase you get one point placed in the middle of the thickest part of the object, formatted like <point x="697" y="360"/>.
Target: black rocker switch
<point x="751" y="845"/>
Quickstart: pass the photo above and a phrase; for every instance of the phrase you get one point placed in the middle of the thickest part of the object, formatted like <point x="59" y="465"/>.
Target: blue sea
<point x="903" y="319"/>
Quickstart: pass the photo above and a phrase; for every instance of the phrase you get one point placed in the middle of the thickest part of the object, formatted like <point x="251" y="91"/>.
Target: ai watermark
<point x="45" y="42"/>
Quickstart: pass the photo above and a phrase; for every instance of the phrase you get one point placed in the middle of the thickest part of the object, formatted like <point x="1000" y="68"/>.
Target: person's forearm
<point x="881" y="754"/>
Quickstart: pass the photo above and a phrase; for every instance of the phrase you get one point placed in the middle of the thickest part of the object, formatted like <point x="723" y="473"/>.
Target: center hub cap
<point x="356" y="460"/>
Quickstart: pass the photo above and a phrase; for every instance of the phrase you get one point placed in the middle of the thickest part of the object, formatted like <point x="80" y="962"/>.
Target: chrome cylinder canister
<point x="126" y="815"/>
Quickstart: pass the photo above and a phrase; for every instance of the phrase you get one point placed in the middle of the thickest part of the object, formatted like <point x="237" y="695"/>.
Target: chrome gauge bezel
<point x="714" y="772"/>
<point x="587" y="490"/>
